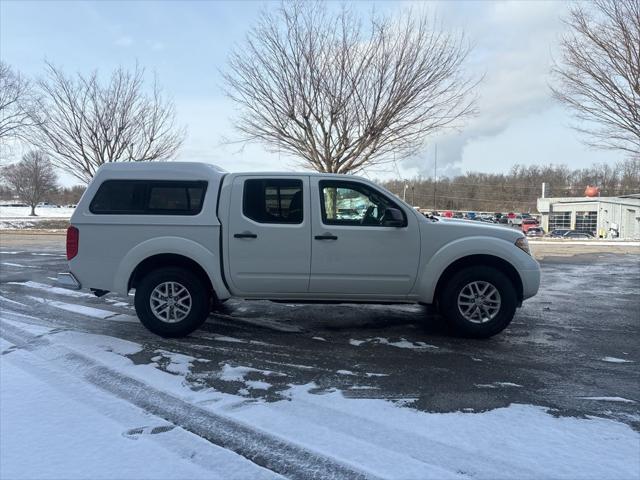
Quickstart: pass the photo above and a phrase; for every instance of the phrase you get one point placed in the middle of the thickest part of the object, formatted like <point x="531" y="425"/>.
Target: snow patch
<point x="49" y="288"/>
<point x="615" y="360"/>
<point x="72" y="307"/>
<point x="402" y="343"/>
<point x="237" y="374"/>
<point x="257" y="384"/>
<point x="9" y="264"/>
<point x="609" y="399"/>
<point x="498" y="385"/>
<point x="5" y="299"/>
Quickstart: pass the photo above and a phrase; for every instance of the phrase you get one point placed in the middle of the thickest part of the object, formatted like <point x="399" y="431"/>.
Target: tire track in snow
<point x="276" y="454"/>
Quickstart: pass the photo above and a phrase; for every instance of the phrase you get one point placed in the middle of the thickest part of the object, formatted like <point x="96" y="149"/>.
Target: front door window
<point x="350" y="203"/>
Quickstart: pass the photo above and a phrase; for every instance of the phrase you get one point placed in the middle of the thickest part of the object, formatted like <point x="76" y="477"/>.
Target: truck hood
<point x="470" y="228"/>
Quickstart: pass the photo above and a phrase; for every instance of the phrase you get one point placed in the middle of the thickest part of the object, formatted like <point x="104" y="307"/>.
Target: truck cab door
<point x="356" y="249"/>
<point x="268" y="235"/>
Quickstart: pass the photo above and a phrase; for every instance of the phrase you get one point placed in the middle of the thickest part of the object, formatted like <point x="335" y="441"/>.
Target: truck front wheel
<point x="172" y="301"/>
<point x="478" y="302"/>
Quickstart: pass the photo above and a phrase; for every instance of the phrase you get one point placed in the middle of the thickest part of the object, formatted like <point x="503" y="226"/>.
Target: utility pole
<point x="435" y="175"/>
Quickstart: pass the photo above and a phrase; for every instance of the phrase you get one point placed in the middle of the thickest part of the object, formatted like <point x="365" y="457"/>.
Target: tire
<point x="182" y="314"/>
<point x="495" y="312"/>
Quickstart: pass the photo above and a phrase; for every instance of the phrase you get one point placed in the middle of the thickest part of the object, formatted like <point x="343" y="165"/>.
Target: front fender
<point x="208" y="260"/>
<point x="438" y="262"/>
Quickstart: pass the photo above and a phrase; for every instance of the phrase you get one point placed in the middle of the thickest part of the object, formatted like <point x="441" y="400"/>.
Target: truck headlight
<point x="523" y="244"/>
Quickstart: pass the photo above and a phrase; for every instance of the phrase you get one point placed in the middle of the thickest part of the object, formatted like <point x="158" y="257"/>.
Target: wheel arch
<point x="478" y="260"/>
<point x="170" y="251"/>
<point x="163" y="260"/>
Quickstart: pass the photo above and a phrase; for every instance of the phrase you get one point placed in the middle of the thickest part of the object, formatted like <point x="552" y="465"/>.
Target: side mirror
<point x="393" y="218"/>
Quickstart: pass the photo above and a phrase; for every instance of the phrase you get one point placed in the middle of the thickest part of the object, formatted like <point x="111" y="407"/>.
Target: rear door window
<point x="273" y="200"/>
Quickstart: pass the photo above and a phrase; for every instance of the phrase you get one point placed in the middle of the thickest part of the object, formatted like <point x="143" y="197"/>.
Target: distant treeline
<point x="519" y="189"/>
<point x="62" y="196"/>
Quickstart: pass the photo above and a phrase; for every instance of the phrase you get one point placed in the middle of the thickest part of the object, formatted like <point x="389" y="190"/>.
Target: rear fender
<point x="208" y="260"/>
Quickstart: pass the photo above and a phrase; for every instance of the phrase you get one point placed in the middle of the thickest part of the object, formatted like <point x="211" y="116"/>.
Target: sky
<point x="187" y="43"/>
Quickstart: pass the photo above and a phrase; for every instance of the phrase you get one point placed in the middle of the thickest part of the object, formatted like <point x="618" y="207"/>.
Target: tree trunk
<point x="330" y="202"/>
<point x="33" y="211"/>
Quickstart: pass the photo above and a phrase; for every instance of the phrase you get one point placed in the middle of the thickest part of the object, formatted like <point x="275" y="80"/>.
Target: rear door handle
<point x="326" y="236"/>
<point x="245" y="235"/>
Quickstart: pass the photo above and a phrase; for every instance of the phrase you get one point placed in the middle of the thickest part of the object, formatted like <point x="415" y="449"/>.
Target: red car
<point x="528" y="223"/>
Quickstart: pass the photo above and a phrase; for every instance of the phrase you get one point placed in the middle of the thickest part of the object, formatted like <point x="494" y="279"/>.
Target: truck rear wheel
<point x="172" y="301"/>
<point x="478" y="302"/>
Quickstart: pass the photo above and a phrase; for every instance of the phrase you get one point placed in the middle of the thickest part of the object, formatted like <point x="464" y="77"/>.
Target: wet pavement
<point x="574" y="348"/>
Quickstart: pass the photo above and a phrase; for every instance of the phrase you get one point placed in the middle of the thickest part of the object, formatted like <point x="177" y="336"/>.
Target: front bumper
<point x="68" y="280"/>
<point x="530" y="282"/>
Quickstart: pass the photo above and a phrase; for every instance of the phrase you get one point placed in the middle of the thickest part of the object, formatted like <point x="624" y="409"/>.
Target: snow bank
<point x="16" y="213"/>
<point x="47" y="433"/>
<point x="372" y="435"/>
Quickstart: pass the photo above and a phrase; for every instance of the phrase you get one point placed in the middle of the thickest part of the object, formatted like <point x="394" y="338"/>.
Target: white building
<point x="605" y="217"/>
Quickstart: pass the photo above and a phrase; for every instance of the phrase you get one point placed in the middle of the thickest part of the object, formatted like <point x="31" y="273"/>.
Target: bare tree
<point x="83" y="123"/>
<point x="598" y="76"/>
<point x="320" y="86"/>
<point x="15" y="100"/>
<point x="32" y="178"/>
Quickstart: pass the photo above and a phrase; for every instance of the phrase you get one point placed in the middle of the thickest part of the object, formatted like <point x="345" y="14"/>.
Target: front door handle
<point x="326" y="236"/>
<point x="245" y="235"/>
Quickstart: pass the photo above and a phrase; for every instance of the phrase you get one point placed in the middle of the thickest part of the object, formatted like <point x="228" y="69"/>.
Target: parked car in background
<point x="515" y="221"/>
<point x="47" y="205"/>
<point x="558" y="232"/>
<point x="535" y="232"/>
<point x="458" y="215"/>
<point x="528" y="223"/>
<point x="187" y="236"/>
<point x="503" y="220"/>
<point x="72" y="205"/>
<point x="578" y="235"/>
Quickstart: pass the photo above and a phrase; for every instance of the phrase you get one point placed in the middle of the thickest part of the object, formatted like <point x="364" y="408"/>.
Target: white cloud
<point x="513" y="46"/>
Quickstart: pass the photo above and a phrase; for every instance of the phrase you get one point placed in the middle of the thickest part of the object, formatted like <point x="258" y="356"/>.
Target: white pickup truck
<point x="186" y="236"/>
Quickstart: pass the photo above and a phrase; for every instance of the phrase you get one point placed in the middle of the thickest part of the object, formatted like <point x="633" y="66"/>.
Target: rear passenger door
<point x="269" y="235"/>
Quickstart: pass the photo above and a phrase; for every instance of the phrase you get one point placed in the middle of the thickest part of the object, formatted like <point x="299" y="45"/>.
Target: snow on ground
<point x="615" y="360"/>
<point x="23" y="212"/>
<point x="18" y="217"/>
<point x="81" y="432"/>
<point x="402" y="343"/>
<point x="609" y="399"/>
<point x="521" y="441"/>
<point x="50" y="289"/>
<point x="382" y="438"/>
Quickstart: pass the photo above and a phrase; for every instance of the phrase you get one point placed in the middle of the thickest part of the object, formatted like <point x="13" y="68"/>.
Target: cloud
<point x="513" y="48"/>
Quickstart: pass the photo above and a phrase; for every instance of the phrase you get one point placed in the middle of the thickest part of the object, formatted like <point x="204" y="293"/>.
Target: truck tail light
<point x="73" y="239"/>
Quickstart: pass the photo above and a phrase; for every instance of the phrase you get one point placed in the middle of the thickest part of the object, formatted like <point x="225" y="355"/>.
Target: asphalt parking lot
<point x="573" y="348"/>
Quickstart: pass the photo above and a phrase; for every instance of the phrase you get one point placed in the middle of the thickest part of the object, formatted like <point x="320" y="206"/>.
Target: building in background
<point x="604" y="217"/>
